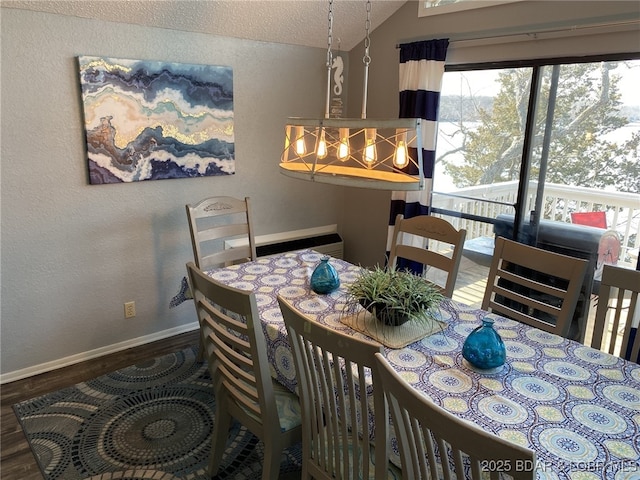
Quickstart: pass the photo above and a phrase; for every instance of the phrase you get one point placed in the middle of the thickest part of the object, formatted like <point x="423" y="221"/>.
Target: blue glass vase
<point x="324" y="278"/>
<point x="484" y="347"/>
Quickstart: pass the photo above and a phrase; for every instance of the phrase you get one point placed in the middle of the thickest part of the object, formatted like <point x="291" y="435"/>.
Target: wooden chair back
<point x="618" y="312"/>
<point x="410" y="241"/>
<point x="214" y="220"/>
<point x="237" y="356"/>
<point x="534" y="286"/>
<point x="335" y="375"/>
<point x="425" y="431"/>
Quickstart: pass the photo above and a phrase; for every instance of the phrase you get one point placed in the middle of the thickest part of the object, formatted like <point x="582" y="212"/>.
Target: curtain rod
<point x="535" y="33"/>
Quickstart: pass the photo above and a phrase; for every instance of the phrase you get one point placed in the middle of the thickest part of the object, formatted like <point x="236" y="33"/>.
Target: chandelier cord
<point x="366" y="59"/>
<point x="329" y="58"/>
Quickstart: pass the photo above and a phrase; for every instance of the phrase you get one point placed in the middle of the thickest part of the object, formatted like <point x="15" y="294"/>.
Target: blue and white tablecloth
<point x="577" y="407"/>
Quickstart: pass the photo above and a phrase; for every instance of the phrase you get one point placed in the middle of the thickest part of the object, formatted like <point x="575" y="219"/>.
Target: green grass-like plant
<point x="394" y="296"/>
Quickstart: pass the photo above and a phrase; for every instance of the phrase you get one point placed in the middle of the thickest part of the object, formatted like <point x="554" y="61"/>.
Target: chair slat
<point x="425" y="228"/>
<point x="332" y="370"/>
<point x="616" y="311"/>
<point x="534" y="286"/>
<point x="235" y="348"/>
<point x="451" y="447"/>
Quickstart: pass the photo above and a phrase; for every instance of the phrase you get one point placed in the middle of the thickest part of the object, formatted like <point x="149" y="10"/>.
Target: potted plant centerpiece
<point x="394" y="296"/>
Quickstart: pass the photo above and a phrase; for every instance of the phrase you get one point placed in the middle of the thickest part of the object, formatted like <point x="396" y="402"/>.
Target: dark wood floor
<point x="17" y="461"/>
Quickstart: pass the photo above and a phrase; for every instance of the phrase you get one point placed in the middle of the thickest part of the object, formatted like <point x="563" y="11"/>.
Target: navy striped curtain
<point x="421" y="71"/>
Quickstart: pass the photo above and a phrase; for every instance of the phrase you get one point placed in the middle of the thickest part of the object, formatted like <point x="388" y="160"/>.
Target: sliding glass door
<point x="545" y="153"/>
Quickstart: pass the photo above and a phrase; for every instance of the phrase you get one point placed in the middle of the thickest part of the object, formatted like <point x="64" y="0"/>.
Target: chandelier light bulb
<point x="401" y="154"/>
<point x="301" y="148"/>
<point x="321" y="149"/>
<point x="343" y="146"/>
<point x="370" y="153"/>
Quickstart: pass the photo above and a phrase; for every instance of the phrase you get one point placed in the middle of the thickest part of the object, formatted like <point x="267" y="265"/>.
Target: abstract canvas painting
<point x="151" y="120"/>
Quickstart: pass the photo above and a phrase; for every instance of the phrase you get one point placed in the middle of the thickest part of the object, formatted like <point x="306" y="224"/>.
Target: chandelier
<point x="377" y="154"/>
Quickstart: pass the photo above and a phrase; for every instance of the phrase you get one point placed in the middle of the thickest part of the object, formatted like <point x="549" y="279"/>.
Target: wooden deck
<point x="471" y="283"/>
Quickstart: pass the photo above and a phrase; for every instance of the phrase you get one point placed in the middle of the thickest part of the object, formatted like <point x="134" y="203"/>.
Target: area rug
<point x="152" y="420"/>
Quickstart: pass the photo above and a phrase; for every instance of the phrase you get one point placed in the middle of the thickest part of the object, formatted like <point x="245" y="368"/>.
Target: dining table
<point x="578" y="408"/>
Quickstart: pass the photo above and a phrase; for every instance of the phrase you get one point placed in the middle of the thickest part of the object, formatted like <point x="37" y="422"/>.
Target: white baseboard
<point x="98" y="352"/>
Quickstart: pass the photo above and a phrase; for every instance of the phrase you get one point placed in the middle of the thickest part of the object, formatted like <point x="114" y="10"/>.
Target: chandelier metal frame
<point x="366" y="153"/>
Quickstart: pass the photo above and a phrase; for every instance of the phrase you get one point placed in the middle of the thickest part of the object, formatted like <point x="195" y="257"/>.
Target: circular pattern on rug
<point x="502" y="410"/>
<point x="142" y="474"/>
<point x="49" y="449"/>
<point x="535" y="388"/>
<point x="150" y="373"/>
<point x="161" y="429"/>
<point x="568" y="445"/>
<point x="598" y="418"/>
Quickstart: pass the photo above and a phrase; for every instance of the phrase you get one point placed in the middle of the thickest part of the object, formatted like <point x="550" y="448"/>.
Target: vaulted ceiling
<point x="296" y="22"/>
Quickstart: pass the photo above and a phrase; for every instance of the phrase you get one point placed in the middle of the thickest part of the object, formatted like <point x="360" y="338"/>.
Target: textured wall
<point x="73" y="253"/>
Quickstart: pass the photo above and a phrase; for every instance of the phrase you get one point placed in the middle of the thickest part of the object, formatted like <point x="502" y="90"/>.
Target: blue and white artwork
<point x="150" y="120"/>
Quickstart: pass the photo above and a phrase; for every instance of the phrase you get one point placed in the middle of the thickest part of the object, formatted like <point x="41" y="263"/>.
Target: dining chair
<point x="534" y="286"/>
<point x="410" y="241"/>
<point x="243" y="386"/>
<point x="425" y="431"/>
<point x="612" y="308"/>
<point x="213" y="221"/>
<point x="340" y="396"/>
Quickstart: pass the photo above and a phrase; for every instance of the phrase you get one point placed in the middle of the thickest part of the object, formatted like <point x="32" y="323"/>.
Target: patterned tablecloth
<point x="577" y="407"/>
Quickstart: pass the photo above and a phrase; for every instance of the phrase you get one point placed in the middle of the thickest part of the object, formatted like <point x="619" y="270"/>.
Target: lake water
<point x="447" y="141"/>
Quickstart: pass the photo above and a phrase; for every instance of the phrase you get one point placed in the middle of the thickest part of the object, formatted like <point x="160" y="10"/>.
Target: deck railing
<point x="622" y="209"/>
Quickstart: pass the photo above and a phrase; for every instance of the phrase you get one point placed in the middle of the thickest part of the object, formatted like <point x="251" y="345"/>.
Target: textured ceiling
<point x="296" y="22"/>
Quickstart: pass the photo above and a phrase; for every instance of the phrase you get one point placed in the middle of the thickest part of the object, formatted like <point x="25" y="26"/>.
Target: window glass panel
<point x="589" y="164"/>
<point x="578" y="154"/>
<point x="481" y="134"/>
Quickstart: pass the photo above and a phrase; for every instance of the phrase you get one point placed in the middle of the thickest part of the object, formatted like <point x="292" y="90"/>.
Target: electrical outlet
<point x="129" y="309"/>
